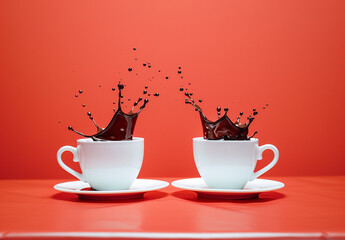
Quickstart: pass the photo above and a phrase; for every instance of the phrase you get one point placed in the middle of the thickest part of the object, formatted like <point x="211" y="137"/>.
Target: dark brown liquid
<point x="223" y="128"/>
<point x="121" y="126"/>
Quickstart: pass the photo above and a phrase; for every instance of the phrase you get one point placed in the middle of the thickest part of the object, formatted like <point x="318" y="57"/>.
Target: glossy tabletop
<point x="306" y="208"/>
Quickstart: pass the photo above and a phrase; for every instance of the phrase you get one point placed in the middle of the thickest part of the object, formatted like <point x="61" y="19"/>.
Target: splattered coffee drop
<point x="218" y="111"/>
<point x="130" y="69"/>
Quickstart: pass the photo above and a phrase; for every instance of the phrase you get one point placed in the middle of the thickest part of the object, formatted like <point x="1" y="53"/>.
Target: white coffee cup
<point x="106" y="165"/>
<point x="230" y="164"/>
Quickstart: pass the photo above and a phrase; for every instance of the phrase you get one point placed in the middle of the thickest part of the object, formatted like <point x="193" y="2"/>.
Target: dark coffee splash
<point x="223" y="128"/>
<point x="121" y="126"/>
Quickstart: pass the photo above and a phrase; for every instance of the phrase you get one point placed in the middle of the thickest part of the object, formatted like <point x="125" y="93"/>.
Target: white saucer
<point x="137" y="190"/>
<point x="251" y="190"/>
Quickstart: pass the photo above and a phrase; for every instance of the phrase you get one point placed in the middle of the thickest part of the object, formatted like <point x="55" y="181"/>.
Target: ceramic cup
<point x="227" y="164"/>
<point x="106" y="165"/>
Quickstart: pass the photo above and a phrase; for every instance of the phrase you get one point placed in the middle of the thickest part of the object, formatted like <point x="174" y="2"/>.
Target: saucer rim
<point x="219" y="190"/>
<point x="164" y="184"/>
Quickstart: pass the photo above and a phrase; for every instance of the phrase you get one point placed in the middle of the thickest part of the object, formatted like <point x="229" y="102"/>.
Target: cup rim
<point x="90" y="141"/>
<point x="201" y="139"/>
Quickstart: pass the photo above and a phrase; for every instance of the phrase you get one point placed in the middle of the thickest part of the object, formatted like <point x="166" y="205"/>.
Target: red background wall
<point x="236" y="54"/>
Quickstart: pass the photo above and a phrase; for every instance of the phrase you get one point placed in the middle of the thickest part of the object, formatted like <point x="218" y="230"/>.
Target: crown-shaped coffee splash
<point x="121" y="126"/>
<point x="223" y="127"/>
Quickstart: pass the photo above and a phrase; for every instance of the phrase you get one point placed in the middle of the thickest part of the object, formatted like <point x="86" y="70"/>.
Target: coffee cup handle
<point x="73" y="150"/>
<point x="269" y="166"/>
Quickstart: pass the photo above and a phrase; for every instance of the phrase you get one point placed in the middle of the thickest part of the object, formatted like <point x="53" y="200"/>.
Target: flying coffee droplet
<point x="149" y="66"/>
<point x="189" y="83"/>
<point x="179" y="72"/>
<point x="59" y="122"/>
<point x="149" y="94"/>
<point x="166" y="77"/>
<point x="181" y="76"/>
<point x="159" y="70"/>
<point x="135" y="59"/>
<point x="121" y="102"/>
<point x="200" y="100"/>
<point x="263" y="107"/>
<point x="144" y="92"/>
<point x="70" y="128"/>
<point x="181" y="89"/>
<point x="80" y="91"/>
<point x="218" y="109"/>
<point x="130" y="69"/>
<point x="113" y="89"/>
<point x="134" y="49"/>
<point x="120" y="86"/>
<point x="190" y="94"/>
<point x="179" y="67"/>
<point x="226" y="109"/>
<point x="255" y="113"/>
<point x="254" y="109"/>
<point x="83" y="105"/>
<point x="156" y="94"/>
<point x="144" y="64"/>
<point x="89" y="113"/>
<point x="76" y="95"/>
<point x="267" y="104"/>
